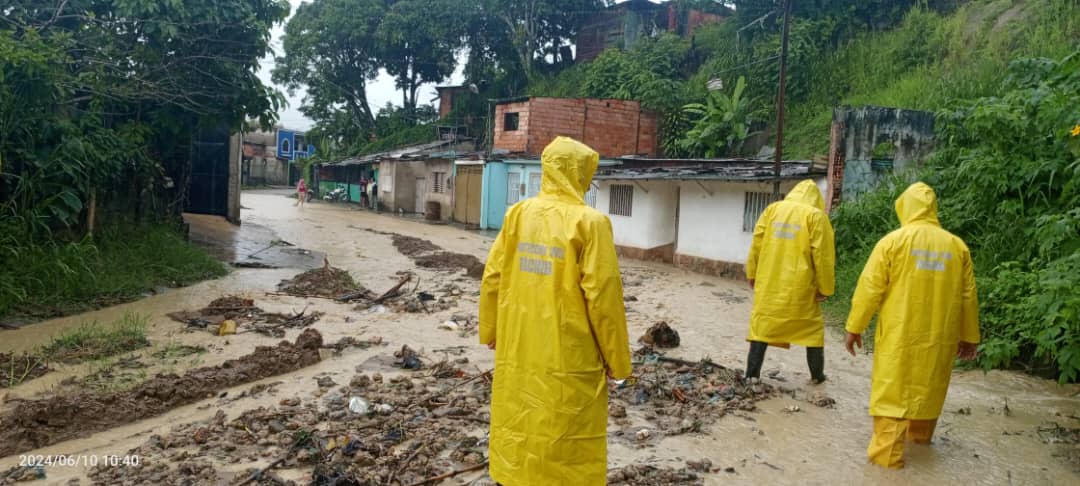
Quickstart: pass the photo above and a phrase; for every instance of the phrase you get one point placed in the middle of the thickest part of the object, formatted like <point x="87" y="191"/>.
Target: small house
<point x="614" y="128"/>
<point x="507" y="181"/>
<point x="699" y="215"/>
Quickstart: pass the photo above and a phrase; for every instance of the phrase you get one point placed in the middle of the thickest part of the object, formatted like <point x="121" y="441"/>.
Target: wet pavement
<point x="978" y="442"/>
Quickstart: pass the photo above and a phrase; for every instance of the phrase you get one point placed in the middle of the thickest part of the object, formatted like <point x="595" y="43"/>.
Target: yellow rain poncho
<point x="552" y="301"/>
<point x="921" y="278"/>
<point x="791" y="260"/>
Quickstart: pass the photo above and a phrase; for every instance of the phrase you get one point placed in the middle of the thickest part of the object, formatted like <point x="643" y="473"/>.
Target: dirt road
<point x="978" y="441"/>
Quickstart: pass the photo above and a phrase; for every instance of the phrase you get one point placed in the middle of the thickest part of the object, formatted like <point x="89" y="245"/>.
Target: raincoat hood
<point x="568" y="168"/>
<point x="917" y="204"/>
<point x="807" y="192"/>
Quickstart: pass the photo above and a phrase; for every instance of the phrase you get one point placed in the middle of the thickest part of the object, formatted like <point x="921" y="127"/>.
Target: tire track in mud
<point x="41" y="422"/>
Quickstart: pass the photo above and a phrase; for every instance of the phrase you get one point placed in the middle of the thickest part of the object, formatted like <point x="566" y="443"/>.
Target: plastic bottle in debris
<point x="359" y="406"/>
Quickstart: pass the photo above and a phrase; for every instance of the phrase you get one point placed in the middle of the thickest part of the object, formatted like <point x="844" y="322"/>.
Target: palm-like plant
<point x="722" y="122"/>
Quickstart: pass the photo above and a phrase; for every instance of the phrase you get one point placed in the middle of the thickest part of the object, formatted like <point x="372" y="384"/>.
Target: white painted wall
<point x="712" y="226"/>
<point x="652" y="220"/>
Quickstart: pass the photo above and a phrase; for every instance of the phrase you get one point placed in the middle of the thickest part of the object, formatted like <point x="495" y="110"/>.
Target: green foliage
<point x="94" y="341"/>
<point x="55" y="278"/>
<point x="400" y="138"/>
<point x="722" y="123"/>
<point x="1008" y="182"/>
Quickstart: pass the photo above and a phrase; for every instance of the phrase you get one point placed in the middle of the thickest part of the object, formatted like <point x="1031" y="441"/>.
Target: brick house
<point x="614" y="128"/>
<point x="622" y="25"/>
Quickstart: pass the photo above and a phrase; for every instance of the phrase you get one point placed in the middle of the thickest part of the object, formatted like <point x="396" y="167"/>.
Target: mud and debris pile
<point x="409" y="428"/>
<point x="465" y="325"/>
<point x="408" y="300"/>
<point x="326" y="281"/>
<point x="426" y="254"/>
<point x="676" y="396"/>
<point x="15" y="369"/>
<point x="37" y="423"/>
<point x="646" y="475"/>
<point x="660" y="335"/>
<point x="243" y="312"/>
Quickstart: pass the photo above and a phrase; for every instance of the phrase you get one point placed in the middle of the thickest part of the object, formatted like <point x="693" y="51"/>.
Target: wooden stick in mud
<point x="393" y="291"/>
<point x="450" y="474"/>
<point x="459" y="385"/>
<point x="684" y="362"/>
<point x="303" y="296"/>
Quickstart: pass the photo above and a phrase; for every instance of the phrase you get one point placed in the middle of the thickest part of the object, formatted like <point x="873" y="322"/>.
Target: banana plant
<point x="721" y="123"/>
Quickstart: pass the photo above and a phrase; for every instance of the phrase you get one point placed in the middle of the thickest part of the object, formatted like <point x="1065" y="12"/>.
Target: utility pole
<point x="780" y="101"/>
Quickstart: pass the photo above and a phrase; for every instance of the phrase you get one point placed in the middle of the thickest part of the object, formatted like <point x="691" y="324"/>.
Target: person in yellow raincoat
<point x="921" y="278"/>
<point x="551" y="305"/>
<point x="791" y="268"/>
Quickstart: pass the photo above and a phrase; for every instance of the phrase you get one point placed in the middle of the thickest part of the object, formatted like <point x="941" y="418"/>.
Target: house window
<point x="510" y="122"/>
<point x="534" y="184"/>
<point x="439" y="185"/>
<point x="513" y="187"/>
<point x="590" y="197"/>
<point x="621" y="201"/>
<point x="756" y="202"/>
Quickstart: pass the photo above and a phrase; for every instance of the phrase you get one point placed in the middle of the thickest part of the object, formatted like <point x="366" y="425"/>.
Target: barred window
<point x="621" y="202"/>
<point x="439" y="186"/>
<point x="590" y="197"/>
<point x="756" y="202"/>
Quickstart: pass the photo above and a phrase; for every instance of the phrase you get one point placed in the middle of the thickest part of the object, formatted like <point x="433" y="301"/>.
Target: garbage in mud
<point x="18" y="369"/>
<point x="792" y="409"/>
<point x="660" y="335"/>
<point x="359" y="406"/>
<point x="681" y="396"/>
<point x="244" y="317"/>
<point x="31" y="424"/>
<point x="351" y="342"/>
<point x="326" y="281"/>
<point x="408" y="359"/>
<point x="646" y="475"/>
<point x="821" y="400"/>
<point x="464" y="325"/>
<point x="415" y="428"/>
<point x="402" y="299"/>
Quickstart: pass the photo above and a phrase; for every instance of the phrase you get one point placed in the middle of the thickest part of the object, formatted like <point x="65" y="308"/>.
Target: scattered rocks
<point x="660" y="335"/>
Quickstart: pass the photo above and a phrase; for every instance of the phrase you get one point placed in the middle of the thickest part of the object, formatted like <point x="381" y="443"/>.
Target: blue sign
<point x="286" y="141"/>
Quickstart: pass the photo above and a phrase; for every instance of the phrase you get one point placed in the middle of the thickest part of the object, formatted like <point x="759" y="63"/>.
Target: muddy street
<point x="997" y="428"/>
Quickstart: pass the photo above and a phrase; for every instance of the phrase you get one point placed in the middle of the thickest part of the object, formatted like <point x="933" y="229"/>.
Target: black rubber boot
<point x="755" y="359"/>
<point x="815" y="359"/>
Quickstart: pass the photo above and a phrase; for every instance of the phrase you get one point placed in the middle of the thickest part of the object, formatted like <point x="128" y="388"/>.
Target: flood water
<point x="812" y="446"/>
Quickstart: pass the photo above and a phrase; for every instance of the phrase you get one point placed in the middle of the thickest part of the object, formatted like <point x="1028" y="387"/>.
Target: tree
<point x="331" y="48"/>
<point x="536" y="26"/>
<point x="108" y="93"/>
<point x="418" y="40"/>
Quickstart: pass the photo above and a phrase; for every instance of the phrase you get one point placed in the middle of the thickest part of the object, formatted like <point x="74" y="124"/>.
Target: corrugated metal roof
<point x="731" y="170"/>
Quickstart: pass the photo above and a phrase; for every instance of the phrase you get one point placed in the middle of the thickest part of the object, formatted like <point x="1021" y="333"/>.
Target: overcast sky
<point x="379" y="91"/>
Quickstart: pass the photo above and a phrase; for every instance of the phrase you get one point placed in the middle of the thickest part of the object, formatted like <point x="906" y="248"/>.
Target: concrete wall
<point x="651" y="223"/>
<point x="853" y="166"/>
<point x="397" y="185"/>
<point x="711" y="226"/>
<point x="236" y="152"/>
<point x="446" y="197"/>
<point x="611" y="127"/>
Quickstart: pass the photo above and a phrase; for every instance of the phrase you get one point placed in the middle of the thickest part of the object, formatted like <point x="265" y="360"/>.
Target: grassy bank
<point x="52" y="279"/>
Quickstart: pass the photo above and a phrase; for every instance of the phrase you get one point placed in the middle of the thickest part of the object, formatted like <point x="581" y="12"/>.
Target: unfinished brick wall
<point x="611" y="127"/>
<point x="554" y="117"/>
<point x="517" y="140"/>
